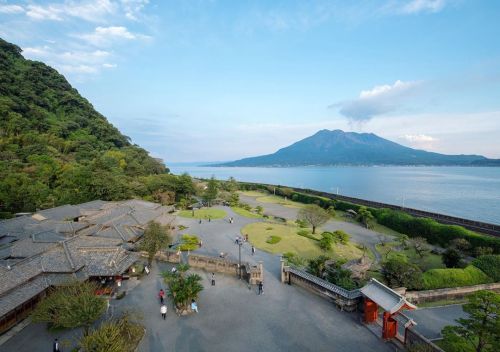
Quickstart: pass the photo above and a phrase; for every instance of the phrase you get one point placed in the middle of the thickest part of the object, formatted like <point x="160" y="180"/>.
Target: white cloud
<point x="132" y="8"/>
<point x="36" y="12"/>
<point x="103" y="36"/>
<point x="377" y="101"/>
<point x="81" y="62"/>
<point x="94" y="11"/>
<point x="417" y="6"/>
<point x="11" y="9"/>
<point x="422" y="141"/>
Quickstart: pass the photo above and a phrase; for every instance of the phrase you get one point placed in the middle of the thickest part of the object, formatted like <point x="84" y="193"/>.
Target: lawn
<point x="279" y="200"/>
<point x="341" y="216"/>
<point x="246" y="213"/>
<point x="260" y="233"/>
<point x="204" y="213"/>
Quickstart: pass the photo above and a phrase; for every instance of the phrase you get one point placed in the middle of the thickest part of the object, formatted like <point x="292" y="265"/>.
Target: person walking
<point x="161" y="294"/>
<point x="213" y="279"/>
<point x="209" y="218"/>
<point x="253" y="250"/>
<point x="261" y="288"/>
<point x="163" y="311"/>
<point x="55" y="346"/>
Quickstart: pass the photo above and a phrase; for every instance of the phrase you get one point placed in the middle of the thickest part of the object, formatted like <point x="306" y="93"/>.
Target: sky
<point x="209" y="80"/>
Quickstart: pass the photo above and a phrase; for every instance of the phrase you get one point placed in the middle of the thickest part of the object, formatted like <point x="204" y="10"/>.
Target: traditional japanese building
<point x="70" y="242"/>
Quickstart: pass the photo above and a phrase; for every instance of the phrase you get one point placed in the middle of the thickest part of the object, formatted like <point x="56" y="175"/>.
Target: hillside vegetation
<point x="56" y="149"/>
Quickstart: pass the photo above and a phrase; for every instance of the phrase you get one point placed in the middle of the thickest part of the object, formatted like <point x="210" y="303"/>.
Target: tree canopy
<point x="156" y="237"/>
<point x="56" y="149"/>
<point x="314" y="215"/>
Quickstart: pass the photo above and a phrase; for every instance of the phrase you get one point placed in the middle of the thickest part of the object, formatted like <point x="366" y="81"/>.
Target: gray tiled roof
<point x="56" y="250"/>
<point x="385" y="297"/>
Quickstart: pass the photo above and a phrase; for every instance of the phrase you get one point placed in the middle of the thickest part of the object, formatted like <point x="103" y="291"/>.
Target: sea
<point x="467" y="192"/>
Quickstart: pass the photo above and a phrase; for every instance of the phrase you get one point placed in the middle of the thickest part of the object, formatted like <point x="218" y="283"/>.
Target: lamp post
<point x="240" y="243"/>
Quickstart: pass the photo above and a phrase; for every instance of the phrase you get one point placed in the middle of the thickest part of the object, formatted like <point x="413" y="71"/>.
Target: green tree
<point x="452" y="258"/>
<point x="421" y="246"/>
<point x="317" y="266"/>
<point x="156" y="237"/>
<point x="314" y="215"/>
<point x="399" y="273"/>
<point x="341" y="237"/>
<point x="480" y="331"/>
<point x="70" y="306"/>
<point x="183" y="287"/>
<point x="365" y="217"/>
<point x="211" y="191"/>
<point x="119" y="335"/>
<point x="259" y="209"/>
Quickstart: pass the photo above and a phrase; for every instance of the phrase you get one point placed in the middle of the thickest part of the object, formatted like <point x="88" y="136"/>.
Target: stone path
<point x="432" y="320"/>
<point x="232" y="316"/>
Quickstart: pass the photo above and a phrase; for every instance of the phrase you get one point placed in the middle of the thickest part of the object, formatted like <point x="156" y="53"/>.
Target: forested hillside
<point x="56" y="149"/>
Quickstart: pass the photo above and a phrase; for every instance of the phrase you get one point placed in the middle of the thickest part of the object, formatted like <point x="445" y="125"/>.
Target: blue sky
<point x="199" y="80"/>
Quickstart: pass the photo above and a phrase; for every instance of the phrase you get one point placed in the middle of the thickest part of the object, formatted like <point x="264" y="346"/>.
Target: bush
<point x="306" y="233"/>
<point x="399" y="273"/>
<point x="431" y="230"/>
<point x="273" y="239"/>
<point x="302" y="223"/>
<point x="293" y="259"/>
<point x="452" y="258"/>
<point x="325" y="243"/>
<point x="189" y="242"/>
<point x="490" y="265"/>
<point x="443" y="278"/>
<point x="341" y="237"/>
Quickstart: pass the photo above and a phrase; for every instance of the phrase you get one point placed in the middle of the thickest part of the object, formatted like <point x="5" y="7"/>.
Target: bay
<point x="467" y="192"/>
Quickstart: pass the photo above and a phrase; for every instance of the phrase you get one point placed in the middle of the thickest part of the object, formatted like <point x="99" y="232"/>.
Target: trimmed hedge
<point x="431" y="230"/>
<point x="490" y="265"/>
<point x="444" y="278"/>
<point x="273" y="239"/>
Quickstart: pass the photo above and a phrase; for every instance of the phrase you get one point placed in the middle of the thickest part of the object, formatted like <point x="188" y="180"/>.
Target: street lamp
<point x="240" y="243"/>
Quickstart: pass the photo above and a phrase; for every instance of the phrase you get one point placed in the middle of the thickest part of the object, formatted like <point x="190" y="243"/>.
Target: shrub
<point x="301" y="223"/>
<point x="269" y="228"/>
<point x="325" y="243"/>
<point x="442" y="278"/>
<point x="189" y="242"/>
<point x="306" y="233"/>
<point x="490" y="265"/>
<point x="294" y="259"/>
<point x="273" y="239"/>
<point x="398" y="273"/>
<point x="452" y="258"/>
<point x="341" y="237"/>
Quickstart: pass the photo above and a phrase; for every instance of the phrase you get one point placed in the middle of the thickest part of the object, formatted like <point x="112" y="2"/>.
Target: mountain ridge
<point x="336" y="147"/>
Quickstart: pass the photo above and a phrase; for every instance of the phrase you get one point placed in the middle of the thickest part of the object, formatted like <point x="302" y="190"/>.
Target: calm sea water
<point x="468" y="192"/>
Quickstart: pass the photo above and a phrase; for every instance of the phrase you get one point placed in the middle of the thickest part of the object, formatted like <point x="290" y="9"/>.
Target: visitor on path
<point x="161" y="294"/>
<point x="173" y="270"/>
<point x="194" y="306"/>
<point x="213" y="279"/>
<point x="199" y="221"/>
<point x="200" y="243"/>
<point x="237" y="240"/>
<point x="56" y="346"/>
<point x="163" y="311"/>
<point x="209" y="218"/>
<point x="261" y="288"/>
<point x="253" y="250"/>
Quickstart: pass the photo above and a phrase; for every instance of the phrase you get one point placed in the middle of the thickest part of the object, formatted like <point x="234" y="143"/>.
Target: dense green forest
<point x="56" y="149"/>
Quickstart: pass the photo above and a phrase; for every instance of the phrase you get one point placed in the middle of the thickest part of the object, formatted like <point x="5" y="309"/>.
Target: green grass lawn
<point x="204" y="213"/>
<point x="259" y="234"/>
<point x="279" y="200"/>
<point x="246" y="213"/>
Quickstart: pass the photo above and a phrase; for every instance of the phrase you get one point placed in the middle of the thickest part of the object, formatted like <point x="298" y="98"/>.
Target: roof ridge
<point x="68" y="255"/>
<point x="119" y="232"/>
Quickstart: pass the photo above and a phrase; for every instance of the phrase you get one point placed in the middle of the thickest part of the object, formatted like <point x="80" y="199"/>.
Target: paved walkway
<point x="232" y="316"/>
<point x="432" y="320"/>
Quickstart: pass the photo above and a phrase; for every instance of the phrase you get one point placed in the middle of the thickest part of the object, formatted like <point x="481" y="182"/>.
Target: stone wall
<point x="448" y="293"/>
<point x="413" y="338"/>
<point x="166" y="256"/>
<point x="251" y="273"/>
<point x="344" y="299"/>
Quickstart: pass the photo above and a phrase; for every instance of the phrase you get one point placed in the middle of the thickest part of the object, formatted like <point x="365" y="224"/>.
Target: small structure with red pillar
<point x="376" y="295"/>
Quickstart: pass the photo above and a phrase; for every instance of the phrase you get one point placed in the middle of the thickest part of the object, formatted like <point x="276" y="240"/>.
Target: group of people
<point x="163" y="306"/>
